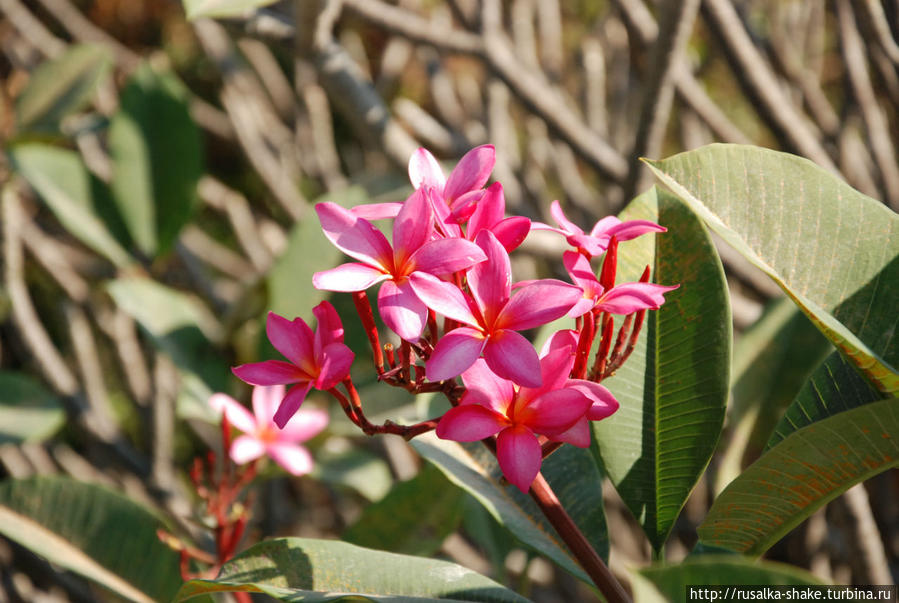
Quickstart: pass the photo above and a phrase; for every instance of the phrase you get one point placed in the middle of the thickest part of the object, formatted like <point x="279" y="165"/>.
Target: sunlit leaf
<point x="806" y="470"/>
<point x="673" y="389"/>
<point x="156" y="159"/>
<point x="300" y="569"/>
<point x="833" y="250"/>
<point x="28" y="412"/>
<point x="61" y="86"/>
<point x="221" y="8"/>
<point x="71" y="192"/>
<point x="90" y="530"/>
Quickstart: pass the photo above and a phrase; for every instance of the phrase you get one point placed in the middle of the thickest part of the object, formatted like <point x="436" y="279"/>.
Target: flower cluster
<point x="448" y="258"/>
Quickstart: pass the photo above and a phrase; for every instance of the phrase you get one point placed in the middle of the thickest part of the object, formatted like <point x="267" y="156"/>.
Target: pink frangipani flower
<point x="493" y="405"/>
<point x="262" y="437"/>
<point x="625" y="298"/>
<point x="494" y="316"/>
<point x="597" y="241"/>
<point x="489" y="214"/>
<point x="319" y="359"/>
<point x="463" y="186"/>
<point x="413" y="252"/>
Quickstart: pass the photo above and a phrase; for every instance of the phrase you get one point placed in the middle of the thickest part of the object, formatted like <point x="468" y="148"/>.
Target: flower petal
<point x="565" y="338"/>
<point x="377" y="211"/>
<point x="487" y="388"/>
<point x="631" y="297"/>
<point x="519" y="456"/>
<point x="445" y="256"/>
<point x="512" y="232"/>
<point x="291" y="403"/>
<point x="269" y="372"/>
<point x="471" y="173"/>
<point x="579" y="270"/>
<point x="625" y="231"/>
<point x="295" y="459"/>
<point x="489" y="211"/>
<point x="329" y="328"/>
<point x="603" y="403"/>
<point x="246" y="448"/>
<point x="234" y="411"/>
<point x="293" y="338"/>
<point x="425" y="171"/>
<point x="401" y="310"/>
<point x="454" y="353"/>
<point x="442" y="297"/>
<point x="348" y="277"/>
<point x="266" y="399"/>
<point x="412" y="227"/>
<point x="512" y="357"/>
<point x="470" y="423"/>
<point x="304" y="425"/>
<point x="335" y="365"/>
<point x="464" y="206"/>
<point x="555" y="368"/>
<point x="553" y="412"/>
<point x="578" y="434"/>
<point x="538" y="303"/>
<point x="490" y="282"/>
<point x="569" y="227"/>
<point x="355" y="236"/>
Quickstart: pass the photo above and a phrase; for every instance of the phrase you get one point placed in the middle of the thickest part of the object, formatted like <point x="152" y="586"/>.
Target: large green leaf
<point x="833" y="388"/>
<point x="570" y="471"/>
<point x="300" y="569"/>
<point x="673" y="389"/>
<point x="61" y="86"/>
<point x="71" y="192"/>
<point x="672" y="581"/>
<point x="772" y="361"/>
<point x="92" y="531"/>
<point x="221" y="8"/>
<point x="809" y="468"/>
<point x="832" y="249"/>
<point x="156" y="159"/>
<point x="28" y="412"/>
<point x="414" y="518"/>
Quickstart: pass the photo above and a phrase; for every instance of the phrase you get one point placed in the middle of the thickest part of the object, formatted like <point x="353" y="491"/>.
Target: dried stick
<point x="121" y="328"/>
<point x="868" y="555"/>
<point x="234" y="205"/>
<point x="32" y="29"/>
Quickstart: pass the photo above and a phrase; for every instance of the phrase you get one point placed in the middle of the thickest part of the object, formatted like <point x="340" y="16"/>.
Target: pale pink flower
<point x="494" y="316"/>
<point x="492" y="405"/>
<point x="625" y="298"/>
<point x="413" y="252"/>
<point x="597" y="241"/>
<point x="319" y="359"/>
<point x="262" y="437"/>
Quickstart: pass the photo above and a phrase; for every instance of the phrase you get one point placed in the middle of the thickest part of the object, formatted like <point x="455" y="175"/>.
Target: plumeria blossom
<point x="597" y="241"/>
<point x="493" y="405"/>
<point x="625" y="298"/>
<point x="463" y="188"/>
<point x="316" y="359"/>
<point x="262" y="437"/>
<point x="413" y="252"/>
<point x="489" y="214"/>
<point x="493" y="316"/>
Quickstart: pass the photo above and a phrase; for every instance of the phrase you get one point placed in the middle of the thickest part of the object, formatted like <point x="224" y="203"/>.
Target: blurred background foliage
<point x="157" y="181"/>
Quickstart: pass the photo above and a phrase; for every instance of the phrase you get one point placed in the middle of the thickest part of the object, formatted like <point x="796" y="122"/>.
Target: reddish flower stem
<point x="599" y="362"/>
<point x="617" y="361"/>
<point x="352" y="407"/>
<point x="363" y="307"/>
<point x="584" y="343"/>
<point x="609" y="265"/>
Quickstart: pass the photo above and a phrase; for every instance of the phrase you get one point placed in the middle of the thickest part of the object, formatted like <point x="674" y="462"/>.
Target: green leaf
<point x="71" y="192"/>
<point x="570" y="471"/>
<point x="294" y="569"/>
<point x="156" y="159"/>
<point x="673" y="389"/>
<point x="833" y="250"/>
<point x="772" y="361"/>
<point x="92" y="531"/>
<point x="61" y="86"/>
<point x="808" y="469"/>
<point x="28" y="412"/>
<point x="221" y="8"/>
<point x="355" y="468"/>
<point x="673" y="580"/>
<point x="835" y="387"/>
<point x="178" y="323"/>
<point x="414" y="518"/>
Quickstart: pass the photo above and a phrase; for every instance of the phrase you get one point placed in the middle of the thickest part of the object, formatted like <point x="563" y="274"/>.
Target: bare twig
<point x="32" y="29"/>
<point x="237" y="208"/>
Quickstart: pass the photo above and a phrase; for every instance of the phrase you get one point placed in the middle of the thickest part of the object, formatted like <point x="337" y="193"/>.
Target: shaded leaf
<point x="673" y="389"/>
<point x="92" y="531"/>
<point x="221" y="8"/>
<point x="71" y="192"/>
<point x="292" y="569"/>
<point x="356" y="468"/>
<point x="806" y="470"/>
<point x="571" y="472"/>
<point x="28" y="412"/>
<point x="833" y="388"/>
<point x="833" y="250"/>
<point x="156" y="159"/>
<point x="414" y="518"/>
<point x="61" y="86"/>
